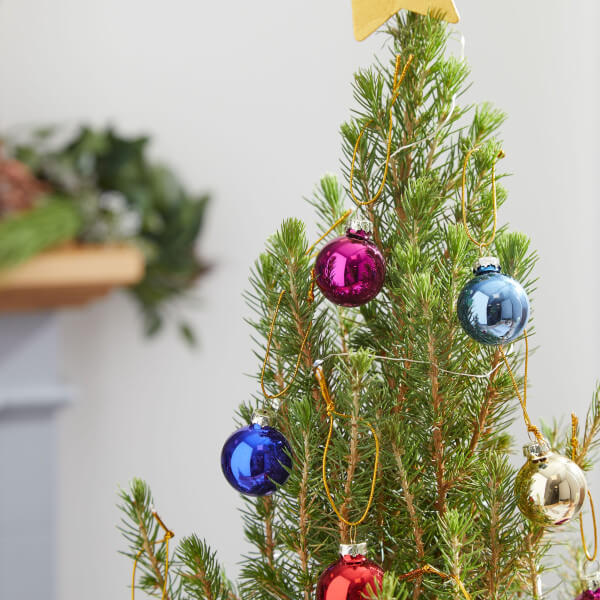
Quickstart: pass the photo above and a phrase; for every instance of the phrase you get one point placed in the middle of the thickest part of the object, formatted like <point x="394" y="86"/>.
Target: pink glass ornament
<point x="589" y="595"/>
<point x="350" y="578"/>
<point x="350" y="270"/>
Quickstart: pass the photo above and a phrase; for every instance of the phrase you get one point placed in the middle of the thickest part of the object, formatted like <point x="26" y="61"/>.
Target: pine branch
<point x="489" y="399"/>
<point x="148" y="547"/>
<point x="303" y="516"/>
<point x="142" y="532"/>
<point x="203" y="578"/>
<point x="438" y="442"/>
<point x="592" y="429"/>
<point x="531" y="540"/>
<point x="410" y="505"/>
<point x="352" y="463"/>
<point x="269" y="539"/>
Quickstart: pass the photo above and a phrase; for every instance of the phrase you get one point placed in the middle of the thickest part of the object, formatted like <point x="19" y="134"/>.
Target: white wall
<point x="245" y="99"/>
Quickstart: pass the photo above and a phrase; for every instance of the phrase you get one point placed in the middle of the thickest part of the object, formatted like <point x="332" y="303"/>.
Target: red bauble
<point x="350" y="578"/>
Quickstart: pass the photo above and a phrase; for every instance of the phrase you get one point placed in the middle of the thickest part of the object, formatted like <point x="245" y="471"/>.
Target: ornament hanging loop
<point x="531" y="428"/>
<point x="338" y="222"/>
<point x="168" y="533"/>
<point x="331" y="412"/>
<point x="485" y="243"/>
<point x="592" y="557"/>
<point x="269" y="340"/>
<point x="398" y="79"/>
<point x="320" y="377"/>
<point x="574" y="449"/>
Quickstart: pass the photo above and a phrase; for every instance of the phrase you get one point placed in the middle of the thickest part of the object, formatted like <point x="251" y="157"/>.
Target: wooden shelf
<point x="69" y="276"/>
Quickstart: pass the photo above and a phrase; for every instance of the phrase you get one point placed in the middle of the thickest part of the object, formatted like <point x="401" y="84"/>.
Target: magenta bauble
<point x="350" y="270"/>
<point x="350" y="578"/>
<point x="589" y="595"/>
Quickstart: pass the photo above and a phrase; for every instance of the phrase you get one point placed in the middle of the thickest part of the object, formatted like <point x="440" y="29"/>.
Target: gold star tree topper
<point x="369" y="15"/>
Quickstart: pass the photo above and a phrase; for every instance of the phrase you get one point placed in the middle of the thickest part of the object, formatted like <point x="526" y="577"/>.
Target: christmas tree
<point x="396" y="419"/>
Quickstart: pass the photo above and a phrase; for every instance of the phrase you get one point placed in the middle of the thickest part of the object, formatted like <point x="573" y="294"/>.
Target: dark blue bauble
<point x="256" y="459"/>
<point x="493" y="308"/>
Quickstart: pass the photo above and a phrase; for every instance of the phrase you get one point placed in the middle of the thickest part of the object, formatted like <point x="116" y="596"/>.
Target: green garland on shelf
<point x="105" y="189"/>
<point x="23" y="235"/>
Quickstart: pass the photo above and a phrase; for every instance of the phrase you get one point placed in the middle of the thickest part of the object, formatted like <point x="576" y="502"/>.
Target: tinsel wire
<point x="319" y="373"/>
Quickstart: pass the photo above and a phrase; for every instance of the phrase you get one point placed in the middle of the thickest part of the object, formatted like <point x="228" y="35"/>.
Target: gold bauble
<point x="550" y="489"/>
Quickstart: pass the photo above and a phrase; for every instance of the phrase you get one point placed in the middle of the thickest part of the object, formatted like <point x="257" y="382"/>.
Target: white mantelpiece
<point x="31" y="392"/>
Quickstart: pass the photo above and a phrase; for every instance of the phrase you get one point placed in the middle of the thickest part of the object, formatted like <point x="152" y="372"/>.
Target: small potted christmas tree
<point x="375" y="456"/>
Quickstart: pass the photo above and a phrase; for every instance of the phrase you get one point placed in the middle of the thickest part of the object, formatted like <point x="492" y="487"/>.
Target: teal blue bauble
<point x="492" y="308"/>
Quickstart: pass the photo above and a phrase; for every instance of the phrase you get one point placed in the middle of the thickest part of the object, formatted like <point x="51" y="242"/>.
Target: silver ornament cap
<point x="359" y="224"/>
<point x="353" y="549"/>
<point x="592" y="581"/>
<point x="486" y="262"/>
<point x="537" y="450"/>
<point x="550" y="489"/>
<point x="260" y="417"/>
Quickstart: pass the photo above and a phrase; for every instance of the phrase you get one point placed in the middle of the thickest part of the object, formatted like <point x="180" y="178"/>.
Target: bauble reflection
<point x="350" y="270"/>
<point x="256" y="459"/>
<point x="492" y="308"/>
<point x="550" y="489"/>
<point x="351" y="577"/>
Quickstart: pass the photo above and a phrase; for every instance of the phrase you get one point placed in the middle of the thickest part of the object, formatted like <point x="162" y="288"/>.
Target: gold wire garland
<point x="269" y="340"/>
<point x="482" y="245"/>
<point x="338" y="222"/>
<point x="168" y="535"/>
<point x="398" y="79"/>
<point x="428" y="569"/>
<point x="310" y="298"/>
<point x="320" y="377"/>
<point x="574" y="447"/>
<point x="574" y="442"/>
<point x="531" y="428"/>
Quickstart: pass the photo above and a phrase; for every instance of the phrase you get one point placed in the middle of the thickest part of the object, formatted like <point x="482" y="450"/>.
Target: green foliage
<point x="142" y="532"/>
<point x="23" y="235"/>
<point x="122" y="195"/>
<point x="201" y="574"/>
<point x="444" y="488"/>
